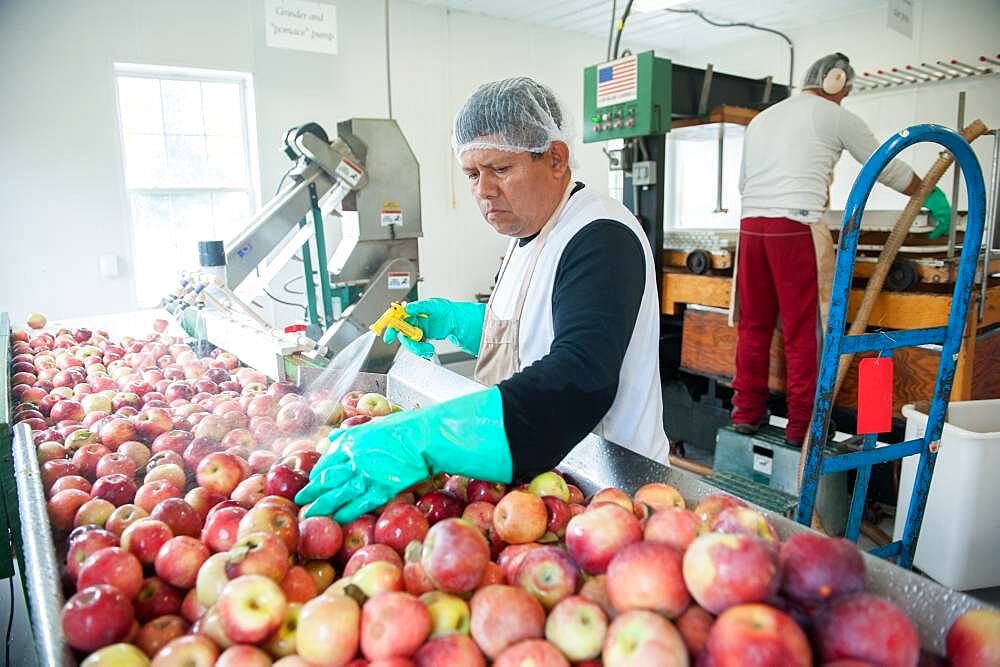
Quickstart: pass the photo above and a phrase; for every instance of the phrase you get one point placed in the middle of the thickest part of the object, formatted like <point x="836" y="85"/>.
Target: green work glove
<point x="937" y="204"/>
<point x="459" y="322"/>
<point x="367" y="465"/>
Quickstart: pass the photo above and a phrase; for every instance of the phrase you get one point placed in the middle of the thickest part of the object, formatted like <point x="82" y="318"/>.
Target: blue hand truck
<point x="836" y="344"/>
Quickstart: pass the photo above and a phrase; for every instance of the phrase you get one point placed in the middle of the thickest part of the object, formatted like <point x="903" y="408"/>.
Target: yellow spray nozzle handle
<point x="395" y="317"/>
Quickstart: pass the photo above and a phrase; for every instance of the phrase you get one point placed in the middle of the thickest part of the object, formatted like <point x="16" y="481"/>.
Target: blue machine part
<point x="836" y="344"/>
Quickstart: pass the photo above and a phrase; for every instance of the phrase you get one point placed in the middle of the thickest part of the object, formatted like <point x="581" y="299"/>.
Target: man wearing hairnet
<point x="568" y="344"/>
<point x="789" y="153"/>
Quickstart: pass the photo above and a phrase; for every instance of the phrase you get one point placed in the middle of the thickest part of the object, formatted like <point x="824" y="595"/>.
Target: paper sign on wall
<point x="300" y="25"/>
<point x="900" y="17"/>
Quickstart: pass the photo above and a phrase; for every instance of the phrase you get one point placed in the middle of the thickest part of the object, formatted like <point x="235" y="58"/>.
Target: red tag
<point x="875" y="395"/>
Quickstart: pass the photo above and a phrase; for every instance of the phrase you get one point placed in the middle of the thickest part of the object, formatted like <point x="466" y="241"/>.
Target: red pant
<point x="776" y="276"/>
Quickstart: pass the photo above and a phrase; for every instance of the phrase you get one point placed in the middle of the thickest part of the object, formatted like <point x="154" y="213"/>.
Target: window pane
<point x="223" y="112"/>
<point x="192" y="218"/>
<point x="155" y="269"/>
<point x="185" y="160"/>
<point x="145" y="160"/>
<point x="182" y="107"/>
<point x="226" y="162"/>
<point x="231" y="210"/>
<point x="139" y="101"/>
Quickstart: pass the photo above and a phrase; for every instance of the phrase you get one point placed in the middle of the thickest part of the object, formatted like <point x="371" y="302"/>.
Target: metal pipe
<point x="892" y="77"/>
<point x="956" y="184"/>
<point x="41" y="572"/>
<point x="326" y="293"/>
<point x="388" y="69"/>
<point x="972" y="68"/>
<point x="934" y="68"/>
<point x="881" y="80"/>
<point x="718" y="171"/>
<point x="950" y="67"/>
<point x="909" y="77"/>
<point x="991" y="221"/>
<point x="987" y="59"/>
<point x="931" y="76"/>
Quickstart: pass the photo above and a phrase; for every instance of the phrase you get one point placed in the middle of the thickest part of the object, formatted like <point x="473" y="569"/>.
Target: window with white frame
<point x="187" y="139"/>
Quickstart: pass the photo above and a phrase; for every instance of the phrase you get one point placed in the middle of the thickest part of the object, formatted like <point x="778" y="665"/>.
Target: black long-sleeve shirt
<point x="555" y="402"/>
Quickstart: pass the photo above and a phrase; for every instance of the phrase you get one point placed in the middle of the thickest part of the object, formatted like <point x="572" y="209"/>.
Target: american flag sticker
<point x="616" y="81"/>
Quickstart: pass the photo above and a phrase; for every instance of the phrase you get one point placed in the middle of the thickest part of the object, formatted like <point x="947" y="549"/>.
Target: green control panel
<point x="627" y="97"/>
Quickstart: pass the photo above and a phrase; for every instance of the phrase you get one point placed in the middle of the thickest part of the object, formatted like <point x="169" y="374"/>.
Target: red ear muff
<point x="834" y="81"/>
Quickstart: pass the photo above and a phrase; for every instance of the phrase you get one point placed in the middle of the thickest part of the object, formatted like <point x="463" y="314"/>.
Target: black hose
<point x="611" y="28"/>
<point x="621" y="27"/>
<point x="743" y="24"/>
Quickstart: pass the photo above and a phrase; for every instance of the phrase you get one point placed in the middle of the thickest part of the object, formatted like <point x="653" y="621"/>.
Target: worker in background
<point x="567" y="345"/>
<point x="789" y="153"/>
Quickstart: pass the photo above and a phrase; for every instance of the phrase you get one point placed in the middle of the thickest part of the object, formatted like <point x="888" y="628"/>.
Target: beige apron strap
<point x="734" y="302"/>
<point x="826" y="259"/>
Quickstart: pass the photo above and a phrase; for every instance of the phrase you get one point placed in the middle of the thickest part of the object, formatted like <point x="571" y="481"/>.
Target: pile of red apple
<point x="170" y="481"/>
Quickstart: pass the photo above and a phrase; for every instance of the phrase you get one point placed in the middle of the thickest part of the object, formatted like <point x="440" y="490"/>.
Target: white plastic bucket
<point x="959" y="543"/>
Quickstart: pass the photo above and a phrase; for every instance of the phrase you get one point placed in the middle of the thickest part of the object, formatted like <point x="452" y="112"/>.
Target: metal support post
<point x="326" y="291"/>
<point x="956" y="183"/>
<point x="309" y="285"/>
<point x="646" y="202"/>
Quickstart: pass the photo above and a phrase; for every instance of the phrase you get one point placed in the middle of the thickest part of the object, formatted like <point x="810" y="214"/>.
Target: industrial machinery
<point x="367" y="177"/>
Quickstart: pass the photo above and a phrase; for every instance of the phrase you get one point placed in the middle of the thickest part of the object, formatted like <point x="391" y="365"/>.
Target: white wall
<point x="943" y="29"/>
<point x="62" y="196"/>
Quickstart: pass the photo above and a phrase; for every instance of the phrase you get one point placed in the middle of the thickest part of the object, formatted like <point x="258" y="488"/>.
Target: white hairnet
<point x="818" y="70"/>
<point x="518" y="115"/>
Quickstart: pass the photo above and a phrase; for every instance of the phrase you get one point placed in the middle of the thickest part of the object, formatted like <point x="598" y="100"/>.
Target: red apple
<point x="202" y="501"/>
<point x="329" y="630"/>
<point x="295" y="418"/>
<point x="116" y="431"/>
<point x="694" y="625"/>
<point x="251" y="607"/>
<point x="596" y="536"/>
<point x="866" y="627"/>
<point x="220" y="530"/>
<point x="250" y="491"/>
<point x="159" y="632"/>
<point x="87" y="457"/>
<point x="520" y="517"/>
<point x="577" y="626"/>
<point x="454" y="555"/>
<point x="69" y="482"/>
<point x="179" y="560"/>
<point x="659" y="496"/>
<point x="673" y="526"/>
<point x="219" y="473"/>
<point x="67" y="409"/>
<point x="96" y="617"/>
<point x="816" y="568"/>
<point x="273" y="520"/>
<point x="504" y="615"/>
<point x="747" y="521"/>
<point x="156" y="598"/>
<point x="723" y="570"/>
<point x="974" y="639"/>
<point x="535" y="652"/>
<point x="84" y="546"/>
<point x="285" y="481"/>
<point x="320" y="538"/>
<point x="757" y="634"/>
<point x="117" y="489"/>
<point x="198" y="449"/>
<point x="383" y="636"/>
<point x="399" y="525"/>
<point x="148" y="496"/>
<point x="558" y="515"/>
<point x="144" y="539"/>
<point x="548" y="574"/>
<point x="123" y="517"/>
<point x="116" y="462"/>
<point x="190" y="651"/>
<point x="298" y="585"/>
<point x="449" y="650"/>
<point x="180" y="516"/>
<point x="94" y="512"/>
<point x="62" y="507"/>
<point x="641" y="637"/>
<point x="173" y="440"/>
<point x="357" y="534"/>
<point x="711" y="506"/>
<point x="647" y="575"/>
<point x="481" y="490"/>
<point x="259" y="554"/>
<point x="112" y="566"/>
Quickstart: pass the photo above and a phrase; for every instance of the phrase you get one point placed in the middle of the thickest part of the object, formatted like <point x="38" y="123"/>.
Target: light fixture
<point x="642" y="6"/>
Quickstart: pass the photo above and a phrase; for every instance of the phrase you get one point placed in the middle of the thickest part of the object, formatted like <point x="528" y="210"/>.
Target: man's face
<point x="516" y="192"/>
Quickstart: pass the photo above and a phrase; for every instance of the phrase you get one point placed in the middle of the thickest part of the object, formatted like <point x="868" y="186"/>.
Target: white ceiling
<point x="664" y="30"/>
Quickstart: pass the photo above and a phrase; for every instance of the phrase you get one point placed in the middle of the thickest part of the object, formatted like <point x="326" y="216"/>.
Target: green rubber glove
<point x="937" y="204"/>
<point x="459" y="322"/>
<point x="367" y="465"/>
